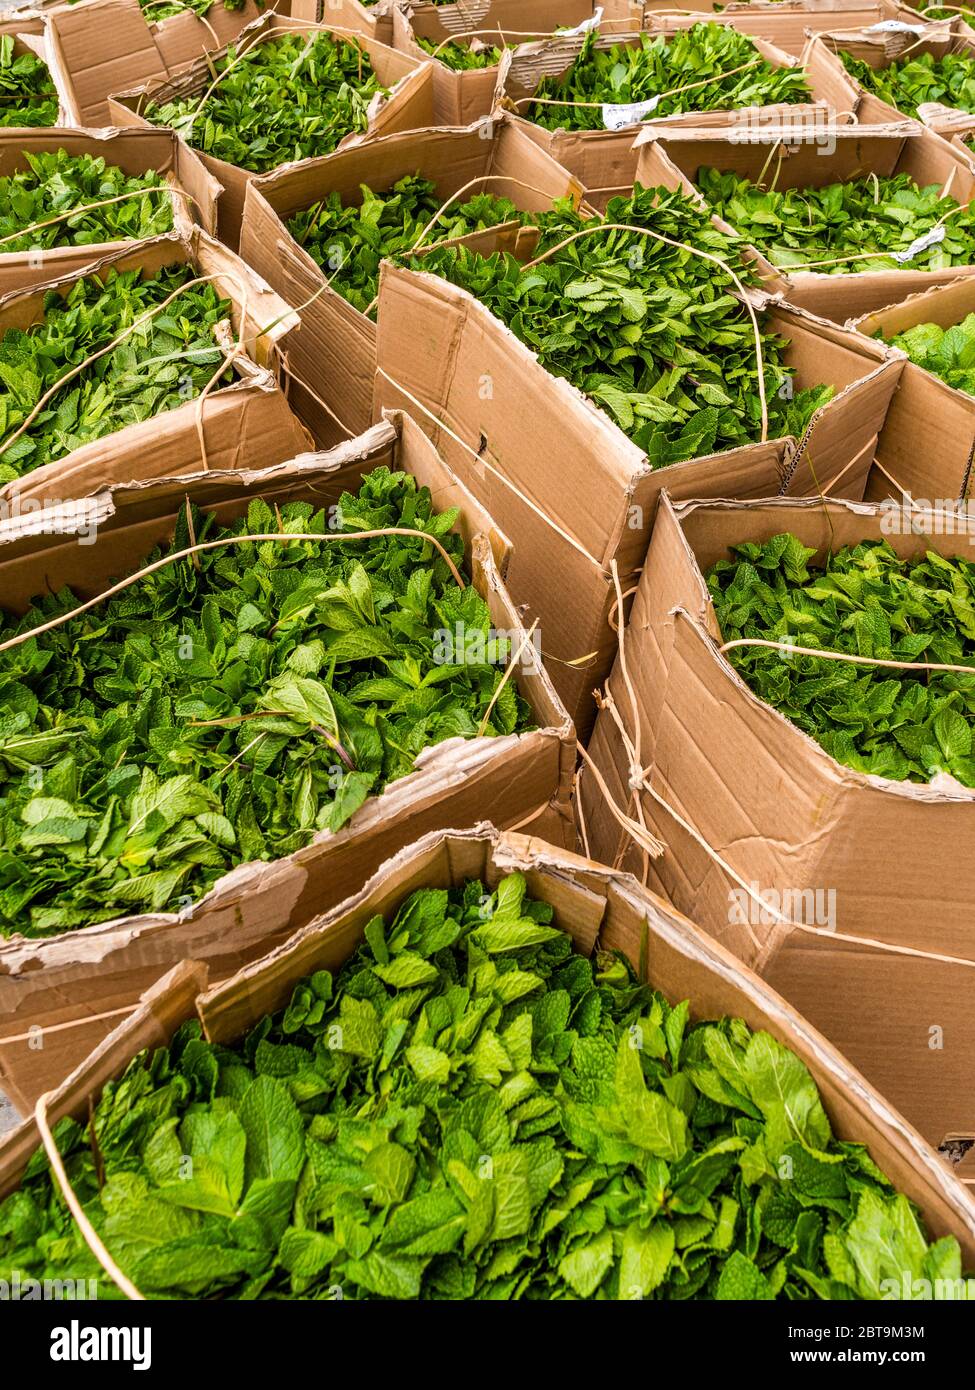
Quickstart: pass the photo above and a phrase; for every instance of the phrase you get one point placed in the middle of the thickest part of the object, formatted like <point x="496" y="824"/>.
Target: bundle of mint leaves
<point x="705" y="60"/>
<point x="470" y="1110"/>
<point x="922" y="77"/>
<point x="794" y="226"/>
<point x="350" y="240"/>
<point x="288" y="97"/>
<point x="28" y="96"/>
<point x="157" y="367"/>
<point x="56" y="182"/>
<point x="947" y="352"/>
<point x="865" y="600"/>
<point x="653" y="333"/>
<point x="225" y="711"/>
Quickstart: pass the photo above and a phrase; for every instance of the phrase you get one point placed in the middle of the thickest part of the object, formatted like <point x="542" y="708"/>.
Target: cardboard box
<point x="409" y="104"/>
<point x="572" y="491"/>
<point x="880" y="49"/>
<point x="605" y="160"/>
<point x="588" y="899"/>
<point x="245" y="423"/>
<point x="334" y="350"/>
<point x="373" y="20"/>
<point x="788" y="819"/>
<point x="103" y="45"/>
<point x="31" y="35"/>
<point x="523" y="778"/>
<point x="836" y="155"/>
<point x="786" y="23"/>
<point x="135" y="152"/>
<point x="462" y="97"/>
<point x="924" y="409"/>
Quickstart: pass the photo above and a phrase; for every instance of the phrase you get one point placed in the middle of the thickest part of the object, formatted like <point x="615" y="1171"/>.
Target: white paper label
<point x="586" y="24"/>
<point x="631" y="113"/>
<point x="894" y="26"/>
<point x="922" y="243"/>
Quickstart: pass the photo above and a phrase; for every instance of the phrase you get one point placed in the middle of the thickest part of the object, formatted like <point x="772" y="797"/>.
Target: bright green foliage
<point x="209" y="716"/>
<point x="652" y="66"/>
<point x="27" y="93"/>
<point x="947" y="352"/>
<point x="462" y="57"/>
<point x="156" y="367"/>
<point x="921" y="77"/>
<point x="906" y="725"/>
<point x="287" y="98"/>
<point x="352" y="239"/>
<point x="157" y="10"/>
<point x="793" y="226"/>
<point x="654" y="334"/>
<point x="55" y="181"/>
<point x="471" y="1111"/>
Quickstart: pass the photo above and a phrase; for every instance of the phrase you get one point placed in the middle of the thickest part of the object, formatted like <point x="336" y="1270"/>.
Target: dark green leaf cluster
<point x="654" y="334"/>
<point x="462" y="57"/>
<point x="793" y="226"/>
<point x="287" y="98"/>
<point x="472" y="1111"/>
<point x="217" y="713"/>
<point x="906" y="725"/>
<point x="28" y="96"/>
<point x="351" y="239"/>
<point x="905" y="85"/>
<point x="55" y="182"/>
<point x="947" y="352"/>
<point x="623" y="74"/>
<point x="158" y="366"/>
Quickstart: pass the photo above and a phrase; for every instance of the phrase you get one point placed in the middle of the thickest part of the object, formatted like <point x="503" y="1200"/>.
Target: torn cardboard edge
<point x="525" y="778"/>
<point x="408" y="102"/>
<point x="334" y="350"/>
<point x="136" y="152"/>
<point x="589" y="901"/>
<point x="237" y="419"/>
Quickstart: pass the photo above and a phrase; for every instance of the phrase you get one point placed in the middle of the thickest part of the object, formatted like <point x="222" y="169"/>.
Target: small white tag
<point x="921" y="243"/>
<point x="631" y="113"/>
<point x="586" y="24"/>
<point x="894" y="26"/>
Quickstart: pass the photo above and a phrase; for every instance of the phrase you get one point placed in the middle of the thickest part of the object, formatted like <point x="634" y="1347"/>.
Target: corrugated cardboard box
<point x="572" y="491"/>
<point x="135" y="152"/>
<point x="462" y="97"/>
<point x="334" y="350"/>
<point x="245" y="423"/>
<point x="32" y="35"/>
<point x="409" y="104"/>
<point x="373" y="20"/>
<point x="589" y="901"/>
<point x="788" y="819"/>
<point x="879" y="47"/>
<point x="786" y="23"/>
<point x="838" y="155"/>
<point x="103" y="45"/>
<point x="605" y="160"/>
<point x="520" y="778"/>
<point x="924" y="408"/>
